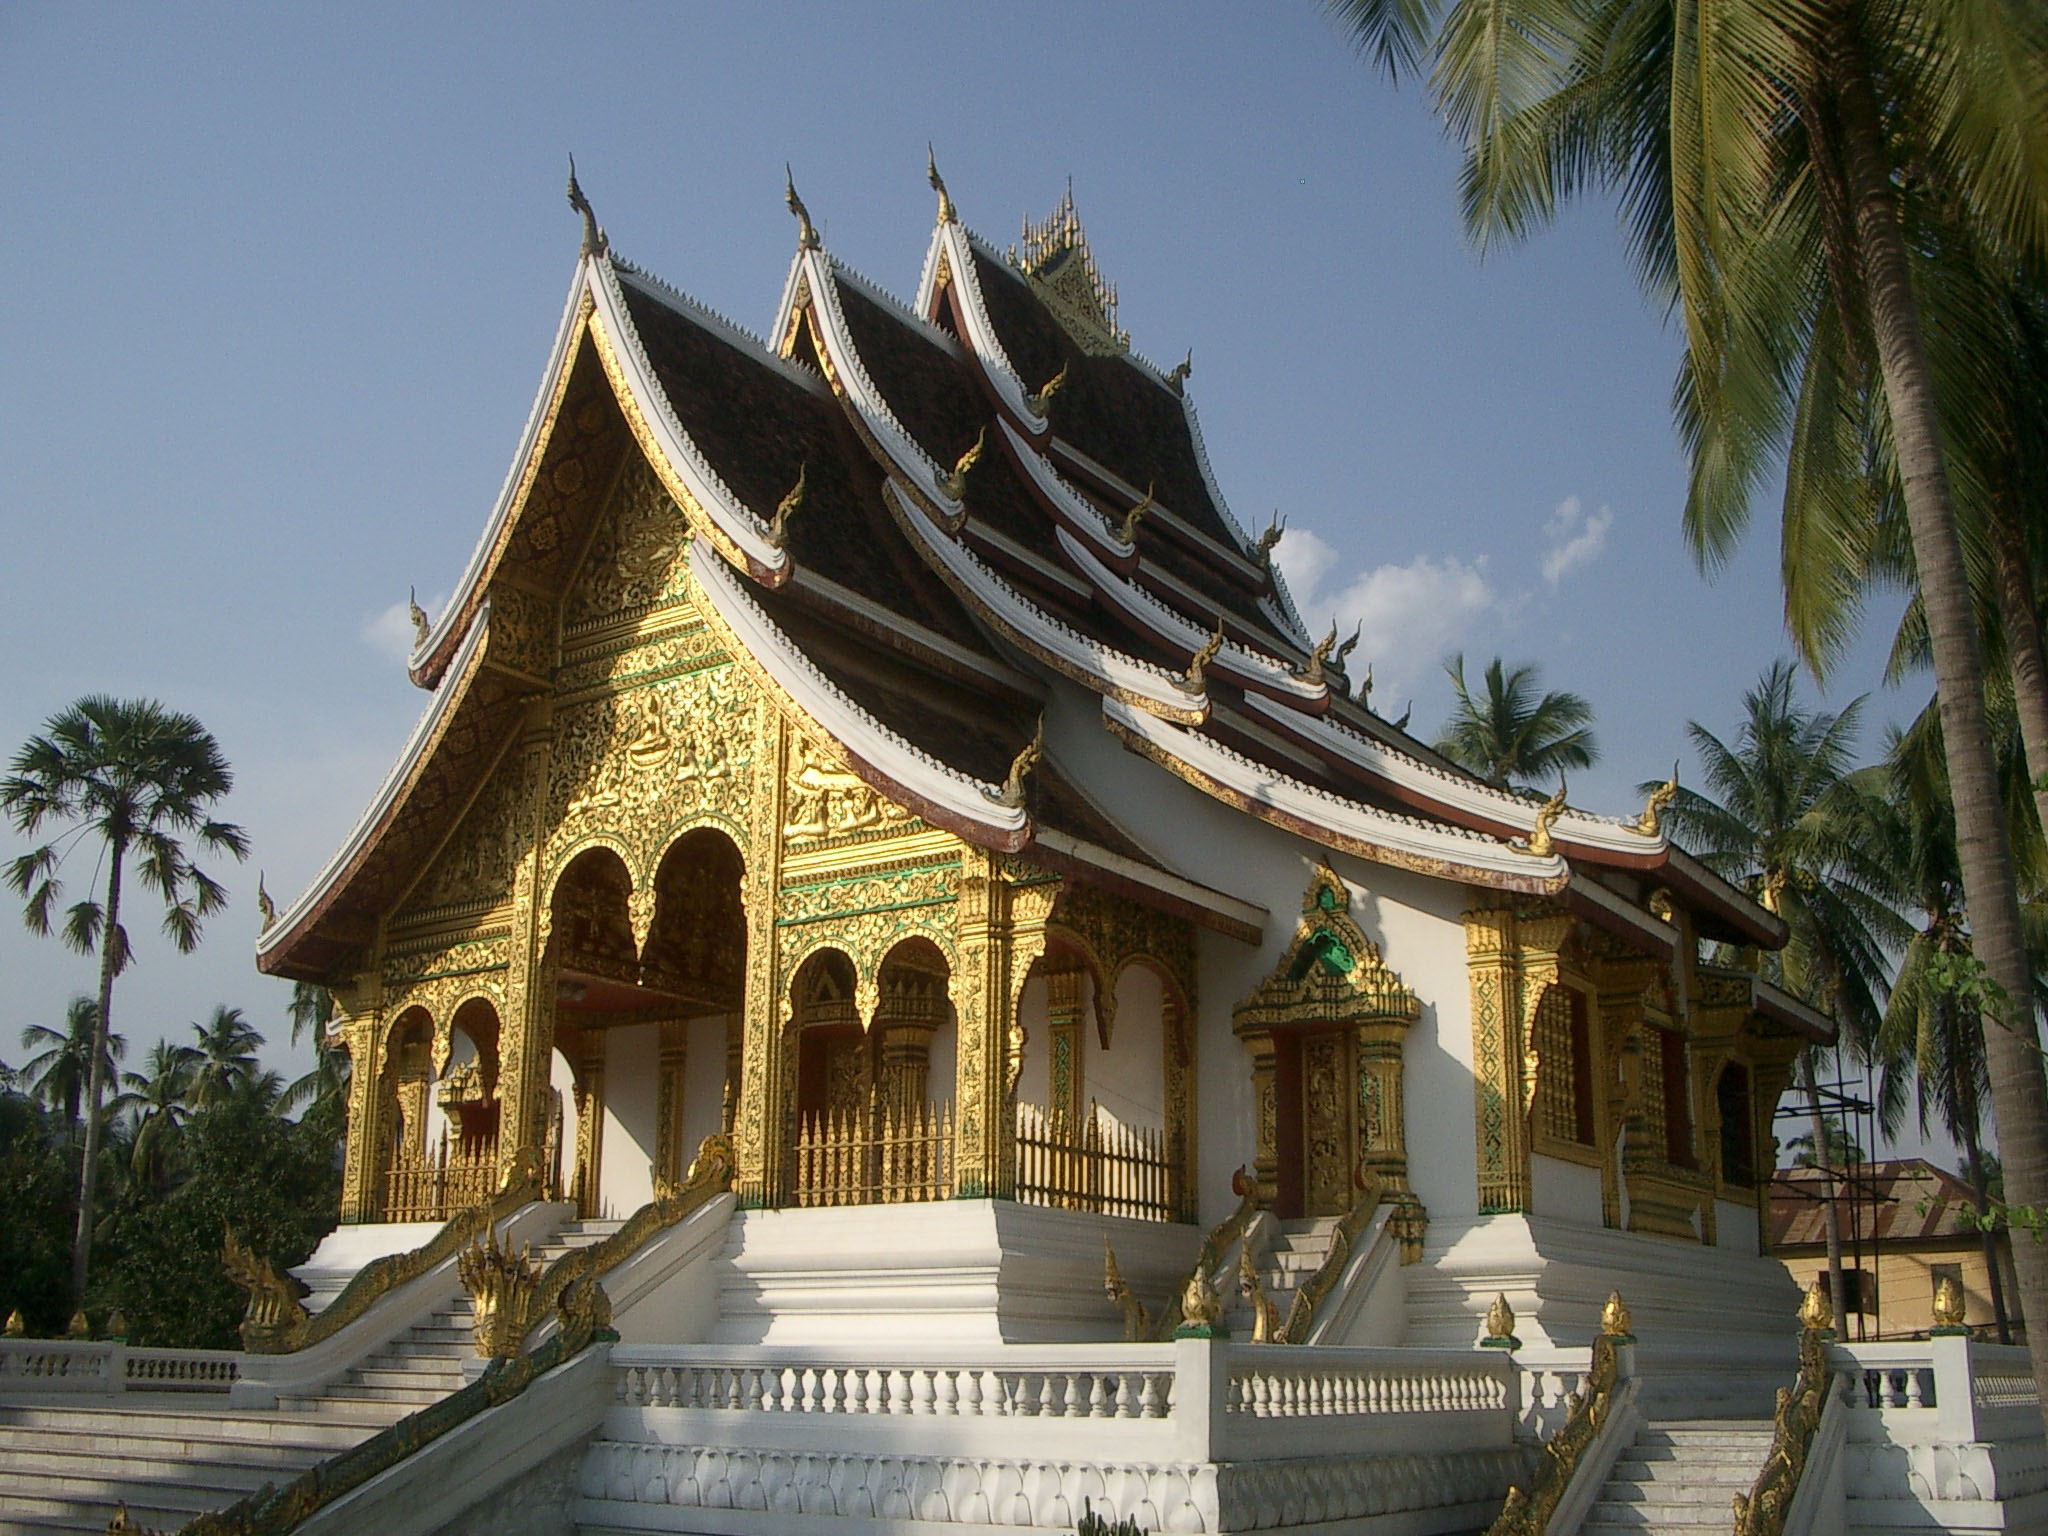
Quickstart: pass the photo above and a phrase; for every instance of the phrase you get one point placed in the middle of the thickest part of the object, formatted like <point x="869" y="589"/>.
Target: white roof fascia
<point x="1187" y="406"/>
<point x="529" y="441"/>
<point x="1455" y="791"/>
<point x="785" y="308"/>
<point x="1077" y="507"/>
<point x="1059" y="447"/>
<point x="1248" y="666"/>
<point x="1079" y="656"/>
<point x="995" y="671"/>
<point x="1176" y="886"/>
<point x="819" y="698"/>
<point x="1405" y="837"/>
<point x="738" y="522"/>
<point x="454" y="682"/>
<point x="735" y="335"/>
<point x="987" y="539"/>
<point x="981" y="333"/>
<point x="866" y="396"/>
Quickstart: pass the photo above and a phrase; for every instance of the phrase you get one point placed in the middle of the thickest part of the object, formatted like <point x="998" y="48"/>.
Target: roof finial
<point x="594" y="241"/>
<point x="1177" y="380"/>
<point x="931" y="171"/>
<point x="790" y="505"/>
<point x="1313" y="672"/>
<point x="264" y="904"/>
<point x="1043" y="399"/>
<point x="1540" y="842"/>
<point x="1344" y="651"/>
<point x="1129" y="532"/>
<point x="955" y="484"/>
<point x="1650" y="823"/>
<point x="1271" y="537"/>
<point x="1193" y="681"/>
<point x="1023" y="764"/>
<point x="806" y="233"/>
<point x="1402" y="723"/>
<point x="420" y="627"/>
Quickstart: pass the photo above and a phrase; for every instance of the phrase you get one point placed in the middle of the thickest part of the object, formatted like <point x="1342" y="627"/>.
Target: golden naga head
<point x="1816" y="1315"/>
<point x="1540" y="842"/>
<point x="714" y="1160"/>
<point x="1651" y="822"/>
<point x="1614" y="1319"/>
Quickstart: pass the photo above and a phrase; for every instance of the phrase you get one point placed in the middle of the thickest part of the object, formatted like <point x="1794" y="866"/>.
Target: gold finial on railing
<point x="1137" y="1321"/>
<point x="79" y="1327"/>
<point x="1614" y="1319"/>
<point x="117" y="1324"/>
<point x="1816" y="1314"/>
<point x="1201" y="1309"/>
<point x="1500" y="1325"/>
<point x="1950" y="1305"/>
<point x="17" y="1325"/>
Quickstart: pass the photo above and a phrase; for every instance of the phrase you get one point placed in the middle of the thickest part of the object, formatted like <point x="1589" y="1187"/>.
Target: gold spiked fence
<point x="451" y="1177"/>
<point x="1098" y="1166"/>
<point x="888" y="1156"/>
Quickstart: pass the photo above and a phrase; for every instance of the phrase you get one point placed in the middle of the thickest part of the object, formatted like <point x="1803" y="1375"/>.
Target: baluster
<point x="1126" y="1396"/>
<point x="1913" y="1389"/>
<point x="927" y="1396"/>
<point x="1098" y="1396"/>
<point x="970" y="1394"/>
<point x="857" y="1390"/>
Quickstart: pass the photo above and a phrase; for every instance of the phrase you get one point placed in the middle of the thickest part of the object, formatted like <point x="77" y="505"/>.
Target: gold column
<point x="1265" y="1095"/>
<point x="1500" y="1127"/>
<point x="590" y="1127"/>
<point x="1618" y="1083"/>
<point x="729" y="1095"/>
<point x="1068" y="1093"/>
<point x="359" y="1192"/>
<point x="668" y="1102"/>
<point x="1382" y="1120"/>
<point x="761" y="1111"/>
<point x="1001" y="932"/>
<point x="527" y="1034"/>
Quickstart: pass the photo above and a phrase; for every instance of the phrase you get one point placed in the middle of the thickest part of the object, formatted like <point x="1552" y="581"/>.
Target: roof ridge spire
<point x="947" y="213"/>
<point x="807" y="233"/>
<point x="595" y="241"/>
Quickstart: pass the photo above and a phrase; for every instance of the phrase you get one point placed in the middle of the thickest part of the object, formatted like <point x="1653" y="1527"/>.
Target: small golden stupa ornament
<point x="1815" y="1314"/>
<point x="17" y="1325"/>
<point x="1614" y="1319"/>
<point x="78" y="1327"/>
<point x="117" y="1325"/>
<point x="1500" y="1326"/>
<point x="1950" y="1305"/>
<point x="1201" y="1309"/>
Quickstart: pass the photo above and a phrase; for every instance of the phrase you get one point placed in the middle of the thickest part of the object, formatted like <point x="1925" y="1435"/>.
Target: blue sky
<point x="278" y="284"/>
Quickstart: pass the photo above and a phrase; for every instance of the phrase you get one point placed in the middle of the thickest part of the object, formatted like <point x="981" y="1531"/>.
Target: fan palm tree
<point x="1512" y="736"/>
<point x="1770" y="158"/>
<point x="135" y="780"/>
<point x="1785" y="821"/>
<point x="57" y="1073"/>
<point x="160" y="1095"/>
<point x="223" y="1057"/>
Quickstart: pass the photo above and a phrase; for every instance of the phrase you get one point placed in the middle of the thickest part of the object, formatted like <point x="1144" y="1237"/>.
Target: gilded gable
<point x="638" y="557"/>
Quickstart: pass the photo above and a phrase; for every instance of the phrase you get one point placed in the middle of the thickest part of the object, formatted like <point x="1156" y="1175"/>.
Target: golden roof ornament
<point x="420" y="627"/>
<point x="1950" y="1306"/>
<point x="1615" y="1321"/>
<point x="1650" y="823"/>
<point x="1182" y="370"/>
<point x="595" y="242"/>
<point x="955" y="484"/>
<point x="1343" y="652"/>
<point x="264" y="905"/>
<point x="1193" y="680"/>
<point x="1056" y="262"/>
<point x="1129" y="532"/>
<point x="806" y="232"/>
<point x="1661" y="905"/>
<point x="1042" y="401"/>
<point x="1815" y="1313"/>
<point x="788" y="507"/>
<point x="1402" y="723"/>
<point x="1500" y="1325"/>
<point x="1022" y="765"/>
<point x="1365" y="690"/>
<point x="1271" y="537"/>
<point x="1313" y="672"/>
<point x="1541" y="844"/>
<point x="931" y="171"/>
<point x="1137" y="1320"/>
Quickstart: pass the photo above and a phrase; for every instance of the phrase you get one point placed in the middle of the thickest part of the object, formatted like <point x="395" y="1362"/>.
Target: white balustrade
<point x="33" y="1366"/>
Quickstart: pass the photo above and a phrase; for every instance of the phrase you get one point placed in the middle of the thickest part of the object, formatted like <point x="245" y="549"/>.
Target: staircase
<point x="1298" y="1249"/>
<point x="1680" y="1476"/>
<point x="424" y="1364"/>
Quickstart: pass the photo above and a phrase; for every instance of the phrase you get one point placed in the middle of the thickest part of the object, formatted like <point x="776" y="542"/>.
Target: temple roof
<point x="960" y="499"/>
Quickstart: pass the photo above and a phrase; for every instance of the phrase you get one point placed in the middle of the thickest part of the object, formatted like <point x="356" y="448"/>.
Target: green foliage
<point x="38" y="1206"/>
<point x="1093" y="1524"/>
<point x="274" y="1181"/>
<point x="1512" y="735"/>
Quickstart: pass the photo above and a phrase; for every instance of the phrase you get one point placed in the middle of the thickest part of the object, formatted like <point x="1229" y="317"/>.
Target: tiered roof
<point x="906" y="518"/>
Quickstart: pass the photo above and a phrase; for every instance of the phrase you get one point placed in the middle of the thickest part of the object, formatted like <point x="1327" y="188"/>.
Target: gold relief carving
<point x="826" y="800"/>
<point x="759" y="1102"/>
<point x="522" y="634"/>
<point x="527" y="1019"/>
<point x="617" y="657"/>
<point x="475" y="864"/>
<point x="639" y="553"/>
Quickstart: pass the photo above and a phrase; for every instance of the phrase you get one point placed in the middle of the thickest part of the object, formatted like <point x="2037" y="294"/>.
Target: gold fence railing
<point x="1098" y="1166"/>
<point x="450" y="1178"/>
<point x="883" y="1157"/>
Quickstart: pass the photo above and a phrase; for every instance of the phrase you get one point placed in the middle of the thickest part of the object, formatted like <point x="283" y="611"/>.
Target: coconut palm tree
<point x="57" y="1073"/>
<point x="1769" y="159"/>
<point x="1512" y="736"/>
<point x="134" y="780"/>
<point x="160" y="1094"/>
<point x="1782" y="818"/>
<point x="223" y="1057"/>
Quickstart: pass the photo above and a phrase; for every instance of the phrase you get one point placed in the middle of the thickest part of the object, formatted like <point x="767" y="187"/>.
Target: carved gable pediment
<point x="1331" y="974"/>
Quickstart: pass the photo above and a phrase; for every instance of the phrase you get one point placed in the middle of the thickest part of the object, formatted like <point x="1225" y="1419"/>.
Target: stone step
<point x="1694" y="1490"/>
<point x="47" y="1443"/>
<point x="211" y="1482"/>
<point x="1614" y="1519"/>
<point x="1632" y="1467"/>
<point x="29" y="1512"/>
<point x="447" y="1377"/>
<point x="402" y="1399"/>
<point x="195" y="1426"/>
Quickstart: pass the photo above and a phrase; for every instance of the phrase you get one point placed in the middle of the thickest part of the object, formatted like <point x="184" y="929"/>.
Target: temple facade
<point x="879" y="743"/>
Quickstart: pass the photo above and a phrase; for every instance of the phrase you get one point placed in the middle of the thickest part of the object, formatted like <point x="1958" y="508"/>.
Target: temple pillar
<point x="1064" y="1010"/>
<point x="761" y="1109"/>
<point x="527" y="1035"/>
<point x="590" y="1126"/>
<point x="668" y="1102"/>
<point x="359" y="1193"/>
<point x="1001" y="932"/>
<point x="1500" y="1127"/>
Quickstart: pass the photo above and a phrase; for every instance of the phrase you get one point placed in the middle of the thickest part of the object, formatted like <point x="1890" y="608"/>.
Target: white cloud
<point x="1574" y="538"/>
<point x="390" y="633"/>
<point x="1409" y="615"/>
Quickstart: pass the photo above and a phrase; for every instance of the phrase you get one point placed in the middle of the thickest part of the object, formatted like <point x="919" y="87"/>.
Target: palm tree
<point x="311" y="1007"/>
<point x="57" y="1073"/>
<point x="1513" y="736"/>
<point x="224" y="1057"/>
<point x="1785" y="821"/>
<point x="135" y="779"/>
<point x="160" y="1094"/>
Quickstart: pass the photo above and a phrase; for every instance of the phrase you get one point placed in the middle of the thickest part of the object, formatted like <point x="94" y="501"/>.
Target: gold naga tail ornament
<point x="1816" y="1314"/>
<point x="1201" y="1309"/>
<point x="955" y="484"/>
<point x="1021" y="767"/>
<point x="1265" y="1315"/>
<point x="265" y="907"/>
<point x="931" y="171"/>
<point x="1540" y="843"/>
<point x="1137" y="1321"/>
<point x="1313" y="672"/>
<point x="595" y="242"/>
<point x="1650" y="823"/>
<point x="1194" y="680"/>
<point x="806" y="232"/>
<point x="788" y="507"/>
<point x="1343" y="652"/>
<point x="1615" y="1321"/>
<point x="1129" y="532"/>
<point x="1270" y="539"/>
<point x="1182" y="370"/>
<point x="420" y="627"/>
<point x="1041" y="401"/>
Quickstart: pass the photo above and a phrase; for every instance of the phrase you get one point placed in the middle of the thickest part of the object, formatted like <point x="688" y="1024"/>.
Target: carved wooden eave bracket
<point x="1333" y="821"/>
<point x="1331" y="973"/>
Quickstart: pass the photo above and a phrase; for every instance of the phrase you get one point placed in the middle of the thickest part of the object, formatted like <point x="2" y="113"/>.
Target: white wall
<point x="1128" y="1080"/>
<point x="1034" y="1085"/>
<point x="632" y="1084"/>
<point x="703" y="1082"/>
<point x="944" y="1063"/>
<point x="1735" y="1227"/>
<point x="1564" y="1191"/>
<point x="461" y="1049"/>
<point x="562" y="1078"/>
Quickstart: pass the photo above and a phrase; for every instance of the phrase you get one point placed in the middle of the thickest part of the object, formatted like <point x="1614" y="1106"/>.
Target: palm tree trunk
<point x="2022" y="624"/>
<point x="2020" y="1099"/>
<point x="1831" y="1211"/>
<point x="96" y="1078"/>
<point x="1980" y="1184"/>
